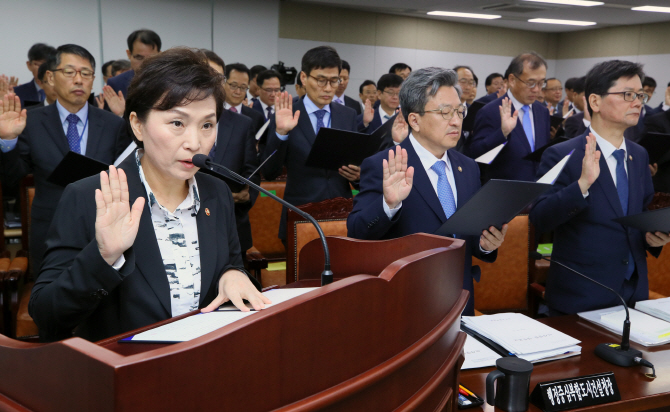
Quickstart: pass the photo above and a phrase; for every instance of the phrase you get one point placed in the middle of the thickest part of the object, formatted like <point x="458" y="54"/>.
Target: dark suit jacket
<point x="27" y="91"/>
<point x="78" y="292"/>
<point x="487" y="134"/>
<point x="259" y="108"/>
<point x="42" y="146"/>
<point x="585" y="236"/>
<point x="236" y="149"/>
<point x="574" y="125"/>
<point x="305" y="184"/>
<point x="660" y="123"/>
<point x="650" y="111"/>
<point x="121" y="82"/>
<point x="374" y="124"/>
<point x="488" y="98"/>
<point x="420" y="212"/>
<point x="353" y="103"/>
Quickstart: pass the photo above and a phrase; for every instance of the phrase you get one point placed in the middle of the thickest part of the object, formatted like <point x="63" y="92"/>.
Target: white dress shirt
<point x="238" y="107"/>
<point x="517" y="106"/>
<point x="382" y="113"/>
<point x="607" y="151"/>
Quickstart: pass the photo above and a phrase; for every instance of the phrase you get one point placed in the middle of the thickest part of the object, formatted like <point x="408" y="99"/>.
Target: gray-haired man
<point x="417" y="187"/>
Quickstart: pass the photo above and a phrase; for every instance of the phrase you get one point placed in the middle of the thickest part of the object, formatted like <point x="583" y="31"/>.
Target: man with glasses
<point x="419" y="185"/>
<point x="236" y="86"/>
<point x="295" y="126"/>
<point x="553" y="92"/>
<point x="32" y="90"/>
<point x="468" y="82"/>
<point x="388" y="89"/>
<point x="38" y="144"/>
<point x="516" y="119"/>
<point x="607" y="177"/>
<point x="269" y="83"/>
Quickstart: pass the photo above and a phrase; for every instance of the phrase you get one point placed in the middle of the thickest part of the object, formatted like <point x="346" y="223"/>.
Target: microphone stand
<point x="202" y="161"/>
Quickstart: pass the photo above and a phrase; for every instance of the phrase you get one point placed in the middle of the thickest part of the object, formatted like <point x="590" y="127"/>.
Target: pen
<point x="467" y="392"/>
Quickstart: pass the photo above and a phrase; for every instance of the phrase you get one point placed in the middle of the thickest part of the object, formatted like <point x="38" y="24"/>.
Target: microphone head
<point x="201" y="160"/>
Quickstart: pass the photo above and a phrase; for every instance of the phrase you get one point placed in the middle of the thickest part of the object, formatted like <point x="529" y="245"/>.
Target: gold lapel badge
<point x="207" y="211"/>
<point x="630" y="158"/>
<point x="460" y="169"/>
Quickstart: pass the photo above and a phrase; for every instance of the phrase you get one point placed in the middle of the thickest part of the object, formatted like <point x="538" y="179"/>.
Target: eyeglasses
<point x="448" y="111"/>
<point x="272" y="91"/>
<point x="466" y="82"/>
<point x="68" y="72"/>
<point x="631" y="96"/>
<point x="323" y="81"/>
<point x="554" y="89"/>
<point x="391" y="94"/>
<point x="531" y="84"/>
<point x="242" y="88"/>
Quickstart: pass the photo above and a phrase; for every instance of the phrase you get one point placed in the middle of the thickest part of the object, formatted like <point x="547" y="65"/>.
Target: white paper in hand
<point x="489" y="156"/>
<point x="551" y="176"/>
<point x="262" y="130"/>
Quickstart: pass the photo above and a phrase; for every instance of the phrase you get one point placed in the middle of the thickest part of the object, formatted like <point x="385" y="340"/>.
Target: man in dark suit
<point x="413" y="191"/>
<point x="367" y="91"/>
<point x="495" y="88"/>
<point x="292" y="134"/>
<point x="269" y="83"/>
<point x="236" y="86"/>
<point x="579" y="121"/>
<point x="660" y="123"/>
<point x="607" y="177"/>
<point x="32" y="91"/>
<point x="38" y="145"/>
<point x="254" y="89"/>
<point x="141" y="44"/>
<point x="516" y="118"/>
<point x="388" y="88"/>
<point x="339" y="93"/>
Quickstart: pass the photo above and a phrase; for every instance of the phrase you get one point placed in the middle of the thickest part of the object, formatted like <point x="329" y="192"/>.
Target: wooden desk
<point x="638" y="392"/>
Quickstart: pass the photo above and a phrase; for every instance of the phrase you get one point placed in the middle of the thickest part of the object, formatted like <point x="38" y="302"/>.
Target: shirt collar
<point x="383" y="113"/>
<point x="228" y="106"/>
<point x="63" y="113"/>
<point x="310" y="107"/>
<point x="265" y="106"/>
<point x="517" y="104"/>
<point x="192" y="199"/>
<point x="607" y="148"/>
<point x="37" y="86"/>
<point x="426" y="157"/>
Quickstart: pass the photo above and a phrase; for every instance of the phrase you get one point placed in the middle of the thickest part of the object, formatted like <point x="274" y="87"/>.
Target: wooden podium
<point x="385" y="340"/>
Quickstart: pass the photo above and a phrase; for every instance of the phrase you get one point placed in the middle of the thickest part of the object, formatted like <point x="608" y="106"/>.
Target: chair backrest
<point x="332" y="217"/>
<point x="264" y="218"/>
<point x="26" y="195"/>
<point x="504" y="284"/>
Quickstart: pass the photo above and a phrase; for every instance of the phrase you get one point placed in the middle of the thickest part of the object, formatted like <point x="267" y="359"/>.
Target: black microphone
<point x="621" y="355"/>
<point x="202" y="161"/>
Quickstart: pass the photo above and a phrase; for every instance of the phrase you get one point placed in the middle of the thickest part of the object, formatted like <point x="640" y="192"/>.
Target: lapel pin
<point x="630" y="158"/>
<point x="207" y="211"/>
<point x="460" y="169"/>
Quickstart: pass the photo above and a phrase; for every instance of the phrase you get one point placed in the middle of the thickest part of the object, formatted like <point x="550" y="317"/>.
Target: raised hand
<point x="400" y="128"/>
<point x="507" y="118"/>
<point x="398" y="177"/>
<point x="100" y="101"/>
<point x="12" y="118"/>
<point x="116" y="224"/>
<point x="502" y="91"/>
<point x="4" y="85"/>
<point x="13" y="82"/>
<point x="285" y="119"/>
<point x="235" y="286"/>
<point x="115" y="101"/>
<point x="368" y="113"/>
<point x="566" y="106"/>
<point x="590" y="164"/>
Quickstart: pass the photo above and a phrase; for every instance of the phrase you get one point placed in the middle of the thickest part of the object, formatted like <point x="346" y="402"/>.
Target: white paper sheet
<point x="277" y="296"/>
<point x="644" y="329"/>
<point x="551" y="176"/>
<point x="262" y="130"/>
<point x="478" y="355"/>
<point x="659" y="308"/>
<point x="489" y="156"/>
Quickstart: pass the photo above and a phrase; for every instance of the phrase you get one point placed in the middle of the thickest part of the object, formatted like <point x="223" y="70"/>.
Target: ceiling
<point x="515" y="13"/>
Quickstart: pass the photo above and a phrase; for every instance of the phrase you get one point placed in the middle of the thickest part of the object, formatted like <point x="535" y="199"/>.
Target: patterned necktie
<point x="444" y="192"/>
<point x="338" y="100"/>
<point x="233" y="109"/>
<point x="528" y="126"/>
<point x="72" y="133"/>
<point x="319" y="119"/>
<point x="622" y="191"/>
<point x="269" y="110"/>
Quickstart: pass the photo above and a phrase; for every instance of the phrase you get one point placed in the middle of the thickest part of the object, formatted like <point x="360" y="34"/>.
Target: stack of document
<point x="524" y="337"/>
<point x="644" y="329"/>
<point x="478" y="355"/>
<point x="659" y="308"/>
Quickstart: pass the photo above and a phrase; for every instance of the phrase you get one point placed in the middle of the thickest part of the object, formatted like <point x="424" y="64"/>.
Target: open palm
<point x="397" y="177"/>
<point x="12" y="118"/>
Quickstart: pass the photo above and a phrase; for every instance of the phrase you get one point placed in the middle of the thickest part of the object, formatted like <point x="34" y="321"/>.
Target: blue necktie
<point x="42" y="95"/>
<point x="444" y="192"/>
<point x="72" y="133"/>
<point x="269" y="109"/>
<point x="319" y="119"/>
<point x="622" y="191"/>
<point x="528" y="126"/>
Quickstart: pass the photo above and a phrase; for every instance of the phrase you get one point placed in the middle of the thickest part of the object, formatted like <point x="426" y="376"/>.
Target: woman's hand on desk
<point x="116" y="223"/>
<point x="235" y="286"/>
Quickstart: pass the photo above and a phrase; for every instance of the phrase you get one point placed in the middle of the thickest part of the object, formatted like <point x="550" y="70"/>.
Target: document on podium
<point x="651" y="221"/>
<point x="203" y="323"/>
<point x="73" y="167"/>
<point x="644" y="329"/>
<point x="478" y="355"/>
<point x="659" y="308"/>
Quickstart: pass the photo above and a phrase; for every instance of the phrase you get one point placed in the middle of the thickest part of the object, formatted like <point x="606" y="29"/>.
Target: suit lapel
<point x="336" y="119"/>
<point x="148" y="256"/>
<point x="95" y="131"/>
<point x="421" y="181"/>
<point x="207" y="224"/>
<point x="305" y="124"/>
<point x="54" y="128"/>
<point x="224" y="134"/>
<point x="520" y="134"/>
<point x="459" y="180"/>
<point x="539" y="133"/>
<point x="635" y="194"/>
<point x="606" y="184"/>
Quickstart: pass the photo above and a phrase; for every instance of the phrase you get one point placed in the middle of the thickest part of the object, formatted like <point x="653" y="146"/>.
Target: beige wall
<point x="306" y="21"/>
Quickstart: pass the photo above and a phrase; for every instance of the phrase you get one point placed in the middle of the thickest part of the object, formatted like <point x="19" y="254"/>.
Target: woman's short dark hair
<point x="603" y="75"/>
<point x="173" y="78"/>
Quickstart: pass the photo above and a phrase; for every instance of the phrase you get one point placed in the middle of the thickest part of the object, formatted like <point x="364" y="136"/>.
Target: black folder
<point x="335" y="148"/>
<point x="536" y="156"/>
<point x="652" y="221"/>
<point x="657" y="145"/>
<point x="469" y="121"/>
<point x="75" y="167"/>
<point x="495" y="204"/>
<point x="556" y="121"/>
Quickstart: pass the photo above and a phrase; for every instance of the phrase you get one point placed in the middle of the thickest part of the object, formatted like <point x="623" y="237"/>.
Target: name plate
<point x="576" y="392"/>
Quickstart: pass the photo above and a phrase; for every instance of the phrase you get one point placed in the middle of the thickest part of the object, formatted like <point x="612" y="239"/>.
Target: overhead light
<point x="466" y="15"/>
<point x="656" y="9"/>
<point x="567" y="22"/>
<point x="585" y="3"/>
